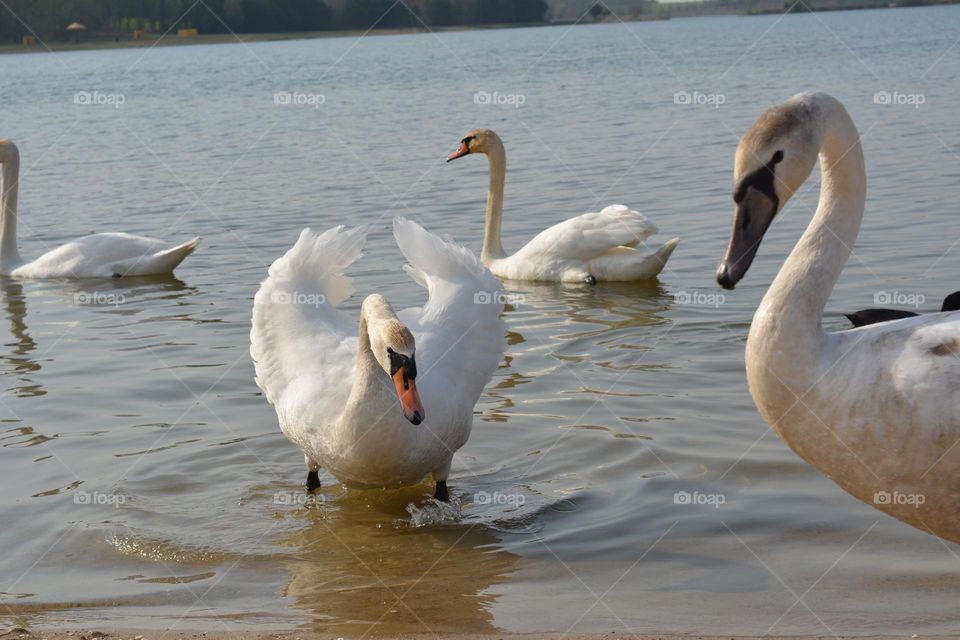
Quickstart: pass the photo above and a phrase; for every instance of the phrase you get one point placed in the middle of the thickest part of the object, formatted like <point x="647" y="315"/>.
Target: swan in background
<point x="588" y="248"/>
<point x="102" y="255"/>
<point x="872" y="316"/>
<point x="388" y="406"/>
<point x="877" y="408"/>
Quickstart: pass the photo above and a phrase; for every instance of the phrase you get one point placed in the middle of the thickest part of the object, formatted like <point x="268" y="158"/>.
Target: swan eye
<point x="762" y="180"/>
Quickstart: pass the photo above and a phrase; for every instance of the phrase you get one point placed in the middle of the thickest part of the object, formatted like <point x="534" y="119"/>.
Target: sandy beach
<point x="127" y="634"/>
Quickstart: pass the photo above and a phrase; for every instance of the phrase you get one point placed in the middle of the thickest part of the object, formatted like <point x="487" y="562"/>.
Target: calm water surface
<point x="145" y="480"/>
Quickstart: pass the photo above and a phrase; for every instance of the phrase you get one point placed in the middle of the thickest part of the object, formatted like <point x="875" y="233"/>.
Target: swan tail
<point x="625" y="264"/>
<point x="158" y="263"/>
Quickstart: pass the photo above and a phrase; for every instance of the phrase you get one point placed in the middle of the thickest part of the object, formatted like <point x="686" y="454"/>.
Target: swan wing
<point x="905" y="372"/>
<point x="589" y="235"/>
<point x="927" y="368"/>
<point x="303" y="347"/>
<point x="105" y="255"/>
<point x="460" y="336"/>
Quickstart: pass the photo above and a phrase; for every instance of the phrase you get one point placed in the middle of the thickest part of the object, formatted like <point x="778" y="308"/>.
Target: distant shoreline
<point x="93" y="42"/>
<point x="672" y="10"/>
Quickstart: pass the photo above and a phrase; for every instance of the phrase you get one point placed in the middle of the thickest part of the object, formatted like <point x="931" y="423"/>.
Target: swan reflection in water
<point x="355" y="570"/>
<point x="16" y="356"/>
<point x="21" y="358"/>
<point x="556" y="321"/>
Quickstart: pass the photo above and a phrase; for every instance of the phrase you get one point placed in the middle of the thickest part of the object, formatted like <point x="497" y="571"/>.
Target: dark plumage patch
<point x="865" y="317"/>
<point x="951" y="302"/>
<point x="761" y="180"/>
<point x="949" y="347"/>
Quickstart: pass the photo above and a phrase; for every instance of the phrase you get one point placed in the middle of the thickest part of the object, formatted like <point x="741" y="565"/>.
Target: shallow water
<point x="137" y="396"/>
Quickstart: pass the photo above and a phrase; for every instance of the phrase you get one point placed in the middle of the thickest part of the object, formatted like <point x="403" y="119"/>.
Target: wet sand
<point x="126" y="634"/>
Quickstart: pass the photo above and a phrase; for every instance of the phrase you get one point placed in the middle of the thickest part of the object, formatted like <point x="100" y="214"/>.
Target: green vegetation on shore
<point x="113" y="23"/>
<point x="47" y="19"/>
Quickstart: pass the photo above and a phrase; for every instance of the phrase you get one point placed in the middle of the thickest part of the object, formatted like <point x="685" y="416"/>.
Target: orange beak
<point x="459" y="153"/>
<point x="409" y="398"/>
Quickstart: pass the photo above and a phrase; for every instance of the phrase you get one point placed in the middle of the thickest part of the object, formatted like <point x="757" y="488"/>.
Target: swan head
<point x="477" y="141"/>
<point x="394" y="349"/>
<point x="775" y="156"/>
<point x="9" y="152"/>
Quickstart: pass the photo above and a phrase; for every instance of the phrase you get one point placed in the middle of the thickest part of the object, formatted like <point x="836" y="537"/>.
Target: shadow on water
<point x="356" y="567"/>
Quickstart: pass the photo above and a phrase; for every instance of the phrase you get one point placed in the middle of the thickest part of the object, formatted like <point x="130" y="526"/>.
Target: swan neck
<point x="373" y="312"/>
<point x="492" y="249"/>
<point x="366" y="363"/>
<point x="9" y="254"/>
<point x="799" y="294"/>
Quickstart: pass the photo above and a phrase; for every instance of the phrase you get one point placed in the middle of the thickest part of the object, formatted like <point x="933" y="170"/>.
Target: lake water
<point x="137" y="397"/>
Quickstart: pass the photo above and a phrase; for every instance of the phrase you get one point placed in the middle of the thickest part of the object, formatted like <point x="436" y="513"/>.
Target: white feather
<point x="306" y="357"/>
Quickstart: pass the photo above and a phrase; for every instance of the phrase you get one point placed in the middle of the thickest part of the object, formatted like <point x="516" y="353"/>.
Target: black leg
<point x="442" y="494"/>
<point x="590" y="280"/>
<point x="313" y="481"/>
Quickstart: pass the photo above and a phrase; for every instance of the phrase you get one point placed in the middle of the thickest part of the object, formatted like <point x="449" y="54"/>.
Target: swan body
<point x="102" y="255"/>
<point x="336" y="387"/>
<point x="588" y="248"/>
<point x="875" y="408"/>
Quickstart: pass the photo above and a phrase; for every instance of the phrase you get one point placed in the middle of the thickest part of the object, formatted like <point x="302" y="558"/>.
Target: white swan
<point x="588" y="248"/>
<point x="353" y="404"/>
<point x="102" y="255"/>
<point x="877" y="408"/>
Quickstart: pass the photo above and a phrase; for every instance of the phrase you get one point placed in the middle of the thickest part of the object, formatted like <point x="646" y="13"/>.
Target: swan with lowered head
<point x="102" y="255"/>
<point x="385" y="405"/>
<point x="877" y="409"/>
<point x="588" y="248"/>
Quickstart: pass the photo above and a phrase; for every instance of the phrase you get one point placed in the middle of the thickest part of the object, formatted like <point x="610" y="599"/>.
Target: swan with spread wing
<point x="387" y="399"/>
